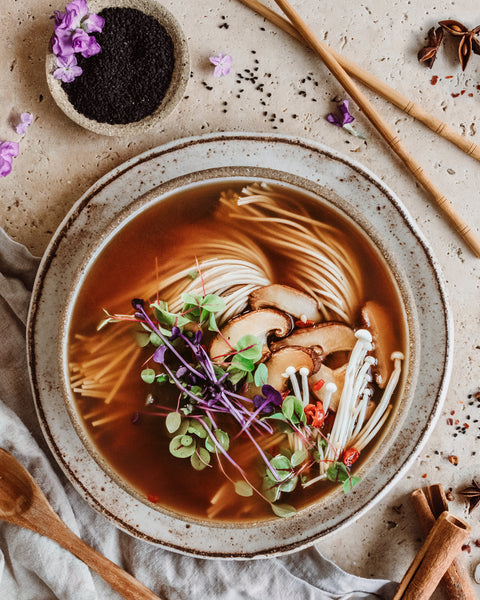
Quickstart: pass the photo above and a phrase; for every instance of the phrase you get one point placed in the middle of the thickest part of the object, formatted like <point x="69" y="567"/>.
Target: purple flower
<point x="93" y="23"/>
<point x="85" y="44"/>
<point x="67" y="68"/>
<point x="72" y="28"/>
<point x="343" y="117"/>
<point x="75" y="12"/>
<point x="270" y="399"/>
<point x="8" y="150"/>
<point x="222" y="64"/>
<point x="62" y="43"/>
<point x="26" y="119"/>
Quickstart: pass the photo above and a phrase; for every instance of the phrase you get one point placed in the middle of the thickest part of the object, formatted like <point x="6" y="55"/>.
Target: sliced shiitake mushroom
<point x="287" y="299"/>
<point x="290" y="356"/>
<point x="330" y="337"/>
<point x="377" y="320"/>
<point x="260" y="323"/>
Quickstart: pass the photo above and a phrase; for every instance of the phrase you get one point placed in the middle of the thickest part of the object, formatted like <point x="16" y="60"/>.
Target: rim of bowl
<point x="345" y="211"/>
<point x="174" y="93"/>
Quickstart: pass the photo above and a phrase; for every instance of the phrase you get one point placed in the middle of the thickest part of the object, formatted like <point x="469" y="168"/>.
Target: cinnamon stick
<point x="435" y="556"/>
<point x="429" y="503"/>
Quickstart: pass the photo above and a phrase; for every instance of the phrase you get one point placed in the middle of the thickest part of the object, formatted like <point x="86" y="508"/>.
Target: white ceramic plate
<point x="184" y="162"/>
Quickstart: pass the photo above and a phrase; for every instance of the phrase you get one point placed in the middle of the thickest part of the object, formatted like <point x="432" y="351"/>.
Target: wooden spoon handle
<point x="121" y="581"/>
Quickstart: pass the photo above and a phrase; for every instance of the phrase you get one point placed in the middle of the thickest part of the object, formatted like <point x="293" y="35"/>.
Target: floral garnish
<point x="72" y="34"/>
<point x="472" y="494"/>
<point x="8" y="150"/>
<point x="222" y="63"/>
<point x="428" y="54"/>
<point x="67" y="68"/>
<point x="26" y="119"/>
<point x="468" y="41"/>
<point x="343" y="118"/>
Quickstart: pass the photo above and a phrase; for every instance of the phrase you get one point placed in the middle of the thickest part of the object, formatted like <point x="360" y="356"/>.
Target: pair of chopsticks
<point x="339" y="65"/>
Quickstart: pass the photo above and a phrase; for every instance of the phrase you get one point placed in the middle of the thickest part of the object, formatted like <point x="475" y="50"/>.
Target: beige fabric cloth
<point x="35" y="568"/>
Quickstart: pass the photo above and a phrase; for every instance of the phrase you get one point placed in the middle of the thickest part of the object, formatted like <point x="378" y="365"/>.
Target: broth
<point x="164" y="239"/>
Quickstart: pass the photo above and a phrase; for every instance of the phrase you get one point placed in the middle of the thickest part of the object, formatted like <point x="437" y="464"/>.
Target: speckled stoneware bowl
<point x="174" y="93"/>
<point x="148" y="179"/>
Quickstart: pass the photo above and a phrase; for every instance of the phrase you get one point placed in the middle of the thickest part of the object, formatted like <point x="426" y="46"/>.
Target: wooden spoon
<point x="23" y="503"/>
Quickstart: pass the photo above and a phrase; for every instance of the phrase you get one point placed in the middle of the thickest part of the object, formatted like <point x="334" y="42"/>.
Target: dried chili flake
<point x="315" y="414"/>
<point x="434" y="80"/>
<point x="153" y="498"/>
<point x="300" y="323"/>
<point x="350" y="455"/>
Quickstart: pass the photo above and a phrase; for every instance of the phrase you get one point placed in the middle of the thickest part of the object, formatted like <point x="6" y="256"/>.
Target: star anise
<point x="468" y="41"/>
<point x="429" y="53"/>
<point x="472" y="493"/>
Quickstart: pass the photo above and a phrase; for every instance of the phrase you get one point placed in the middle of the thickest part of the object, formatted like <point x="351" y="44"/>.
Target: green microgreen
<point x="292" y="410"/>
<point x="242" y="488"/>
<point x="339" y="473"/>
<point x="148" y="375"/>
<point x="208" y="390"/>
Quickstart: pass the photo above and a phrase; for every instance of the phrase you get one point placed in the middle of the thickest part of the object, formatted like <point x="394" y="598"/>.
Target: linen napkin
<point x="35" y="568"/>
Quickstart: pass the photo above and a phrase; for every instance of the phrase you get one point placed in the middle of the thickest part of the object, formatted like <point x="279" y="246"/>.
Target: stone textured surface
<point x="59" y="161"/>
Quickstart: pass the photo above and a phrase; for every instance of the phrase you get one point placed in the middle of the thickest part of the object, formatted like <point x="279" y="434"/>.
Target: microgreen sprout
<point x="211" y="393"/>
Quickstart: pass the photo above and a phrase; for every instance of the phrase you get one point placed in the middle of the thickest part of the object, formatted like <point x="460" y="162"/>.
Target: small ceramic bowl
<point x="174" y="93"/>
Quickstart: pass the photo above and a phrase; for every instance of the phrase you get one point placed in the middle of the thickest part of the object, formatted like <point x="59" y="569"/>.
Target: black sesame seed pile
<point x="129" y="78"/>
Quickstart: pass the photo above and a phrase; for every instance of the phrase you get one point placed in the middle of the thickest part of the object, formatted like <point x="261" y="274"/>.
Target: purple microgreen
<point x="139" y="306"/>
<point x="269" y="401"/>
<point x="343" y="118"/>
<point x="8" y="151"/>
<point x="26" y="119"/>
<point x="223" y="63"/>
<point x="159" y="355"/>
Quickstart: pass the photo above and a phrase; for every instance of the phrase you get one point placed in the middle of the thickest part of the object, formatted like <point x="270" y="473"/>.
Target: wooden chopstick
<point x="463" y="229"/>
<point x="377" y="85"/>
